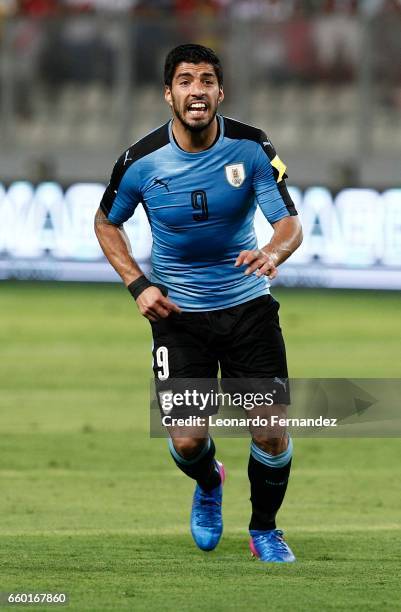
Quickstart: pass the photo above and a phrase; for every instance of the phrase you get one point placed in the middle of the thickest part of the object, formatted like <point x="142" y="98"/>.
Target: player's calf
<point x="268" y="476"/>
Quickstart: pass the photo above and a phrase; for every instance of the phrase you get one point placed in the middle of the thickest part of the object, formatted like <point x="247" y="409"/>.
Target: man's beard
<point x="196" y="129"/>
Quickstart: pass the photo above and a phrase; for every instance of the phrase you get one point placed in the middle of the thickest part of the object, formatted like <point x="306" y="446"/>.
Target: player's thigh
<point x="256" y="346"/>
<point x="181" y="349"/>
<point x="185" y="368"/>
<point x="254" y="360"/>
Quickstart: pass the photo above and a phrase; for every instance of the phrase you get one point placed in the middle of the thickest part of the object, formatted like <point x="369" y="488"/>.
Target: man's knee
<point x="188" y="447"/>
<point x="273" y="446"/>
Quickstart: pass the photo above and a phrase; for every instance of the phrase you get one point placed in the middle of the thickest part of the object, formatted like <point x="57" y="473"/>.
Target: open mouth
<point x="197" y="109"/>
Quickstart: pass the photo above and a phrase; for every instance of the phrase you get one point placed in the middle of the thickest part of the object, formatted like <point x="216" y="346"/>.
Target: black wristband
<point x="137" y="286"/>
<point x="140" y="284"/>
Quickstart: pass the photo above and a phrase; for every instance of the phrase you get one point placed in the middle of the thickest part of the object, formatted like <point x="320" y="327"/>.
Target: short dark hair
<point x="193" y="54"/>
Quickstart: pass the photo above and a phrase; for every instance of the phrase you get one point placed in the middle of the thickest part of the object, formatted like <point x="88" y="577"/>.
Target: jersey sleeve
<point x="122" y="194"/>
<point x="269" y="183"/>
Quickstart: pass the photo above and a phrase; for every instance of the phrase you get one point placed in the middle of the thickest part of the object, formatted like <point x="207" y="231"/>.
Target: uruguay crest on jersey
<point x="235" y="174"/>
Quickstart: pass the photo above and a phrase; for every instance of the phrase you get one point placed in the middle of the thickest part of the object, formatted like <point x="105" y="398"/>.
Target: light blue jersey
<point x="201" y="209"/>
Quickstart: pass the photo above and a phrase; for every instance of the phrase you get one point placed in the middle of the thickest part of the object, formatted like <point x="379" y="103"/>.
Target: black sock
<point x="268" y="475"/>
<point x="201" y="468"/>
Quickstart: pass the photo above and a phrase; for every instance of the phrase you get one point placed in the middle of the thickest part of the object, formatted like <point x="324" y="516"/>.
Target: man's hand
<point x="259" y="261"/>
<point x="287" y="236"/>
<point x="154" y="306"/>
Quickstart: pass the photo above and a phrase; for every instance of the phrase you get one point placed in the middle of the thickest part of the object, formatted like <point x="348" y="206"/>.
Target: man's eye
<point x="184" y="83"/>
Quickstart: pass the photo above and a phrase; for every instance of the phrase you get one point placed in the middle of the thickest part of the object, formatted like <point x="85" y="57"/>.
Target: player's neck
<point x="194" y="142"/>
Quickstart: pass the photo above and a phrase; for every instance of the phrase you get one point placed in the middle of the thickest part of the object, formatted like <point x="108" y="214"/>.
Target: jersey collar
<point x="186" y="154"/>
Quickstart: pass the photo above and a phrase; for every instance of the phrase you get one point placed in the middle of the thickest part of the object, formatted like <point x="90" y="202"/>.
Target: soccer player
<point x="199" y="178"/>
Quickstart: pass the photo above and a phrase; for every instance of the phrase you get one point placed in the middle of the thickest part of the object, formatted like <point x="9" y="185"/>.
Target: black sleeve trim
<point x="271" y="153"/>
<point x="241" y="131"/>
<point x="279" y="175"/>
<point x="282" y="187"/>
<point x="268" y="147"/>
<point x="111" y="190"/>
<point x="150" y="143"/>
<point x="238" y="131"/>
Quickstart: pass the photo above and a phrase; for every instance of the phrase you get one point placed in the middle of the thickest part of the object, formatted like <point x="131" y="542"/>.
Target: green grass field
<point x="92" y="506"/>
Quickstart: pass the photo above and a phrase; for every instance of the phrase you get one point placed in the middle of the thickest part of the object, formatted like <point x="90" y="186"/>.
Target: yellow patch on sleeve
<point x="279" y="166"/>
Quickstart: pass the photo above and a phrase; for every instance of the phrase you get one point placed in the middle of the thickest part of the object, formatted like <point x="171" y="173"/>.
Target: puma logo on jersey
<point x="126" y="158"/>
<point x="162" y="183"/>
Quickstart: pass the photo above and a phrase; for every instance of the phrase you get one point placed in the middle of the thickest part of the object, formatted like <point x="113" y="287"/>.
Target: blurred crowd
<point x="57" y="41"/>
<point x="275" y="10"/>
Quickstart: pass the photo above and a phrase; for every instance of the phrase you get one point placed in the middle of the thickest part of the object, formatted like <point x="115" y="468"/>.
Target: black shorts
<point x="244" y="341"/>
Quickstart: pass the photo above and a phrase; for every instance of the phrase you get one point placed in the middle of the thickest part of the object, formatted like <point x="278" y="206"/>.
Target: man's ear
<point x="167" y="95"/>
<point x="221" y="95"/>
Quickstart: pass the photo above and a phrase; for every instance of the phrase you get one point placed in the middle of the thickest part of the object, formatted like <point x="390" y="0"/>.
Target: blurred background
<point x="86" y="496"/>
<point x="81" y="80"/>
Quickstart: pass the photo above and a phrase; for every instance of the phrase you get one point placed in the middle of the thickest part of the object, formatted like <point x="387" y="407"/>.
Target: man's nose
<point x="197" y="88"/>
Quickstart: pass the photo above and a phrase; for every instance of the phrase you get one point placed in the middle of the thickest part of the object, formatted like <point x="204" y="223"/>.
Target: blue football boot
<point x="206" y="518"/>
<point x="270" y="546"/>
